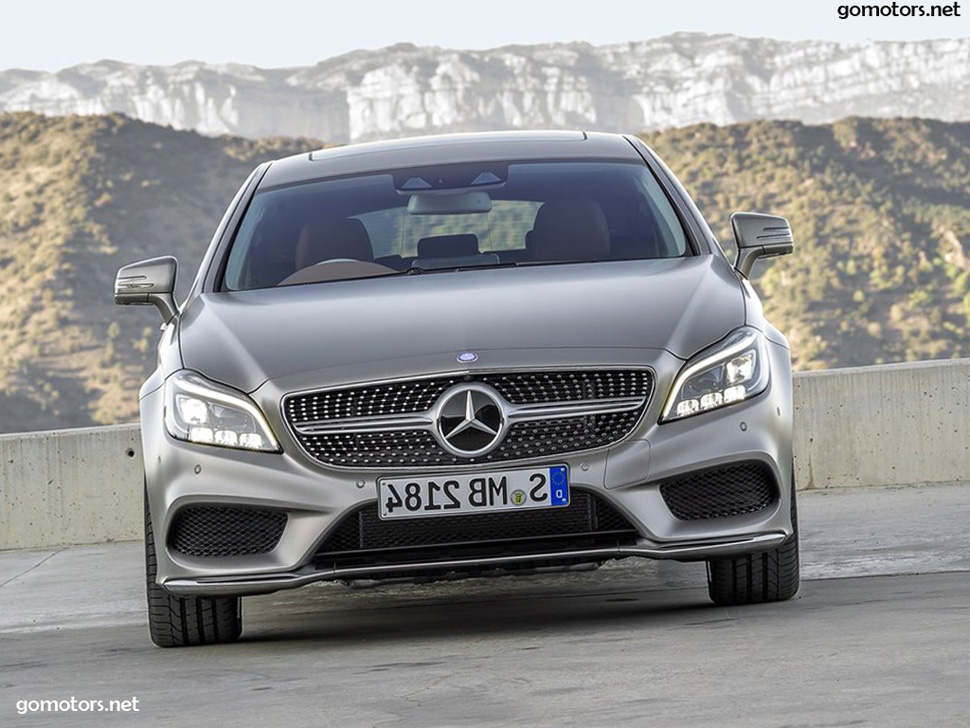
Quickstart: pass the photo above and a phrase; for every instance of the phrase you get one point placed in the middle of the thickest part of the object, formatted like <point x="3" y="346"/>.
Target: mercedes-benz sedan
<point x="462" y="355"/>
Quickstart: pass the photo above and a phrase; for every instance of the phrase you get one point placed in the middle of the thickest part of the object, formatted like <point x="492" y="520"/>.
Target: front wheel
<point x="768" y="576"/>
<point x="182" y="622"/>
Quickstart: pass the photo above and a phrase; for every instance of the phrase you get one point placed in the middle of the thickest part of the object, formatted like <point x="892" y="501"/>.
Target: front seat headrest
<point x="329" y="239"/>
<point x="571" y="230"/>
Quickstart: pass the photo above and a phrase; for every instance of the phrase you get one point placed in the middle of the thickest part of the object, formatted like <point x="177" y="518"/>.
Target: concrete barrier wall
<point x="898" y="424"/>
<point x="895" y="425"/>
<point x="70" y="487"/>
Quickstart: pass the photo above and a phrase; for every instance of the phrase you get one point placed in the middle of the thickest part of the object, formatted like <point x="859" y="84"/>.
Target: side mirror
<point x="759" y="236"/>
<point x="149" y="282"/>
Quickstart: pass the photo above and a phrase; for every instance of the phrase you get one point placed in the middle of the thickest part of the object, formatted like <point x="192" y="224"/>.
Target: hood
<point x="246" y="338"/>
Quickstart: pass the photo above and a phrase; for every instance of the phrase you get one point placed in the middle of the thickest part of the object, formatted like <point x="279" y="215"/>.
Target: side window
<point x="509" y="222"/>
<point x="239" y="270"/>
<point x="423" y="227"/>
<point x="394" y="232"/>
<point x="665" y="218"/>
<point x="386" y="230"/>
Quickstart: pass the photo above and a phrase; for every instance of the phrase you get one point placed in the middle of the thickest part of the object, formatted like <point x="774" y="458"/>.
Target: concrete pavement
<point x="878" y="636"/>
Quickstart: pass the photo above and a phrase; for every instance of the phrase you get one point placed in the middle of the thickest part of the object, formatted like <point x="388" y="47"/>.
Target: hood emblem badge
<point x="470" y="421"/>
<point x="467" y="357"/>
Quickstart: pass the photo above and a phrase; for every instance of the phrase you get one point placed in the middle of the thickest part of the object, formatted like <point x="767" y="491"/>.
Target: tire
<point x="767" y="576"/>
<point x="184" y="622"/>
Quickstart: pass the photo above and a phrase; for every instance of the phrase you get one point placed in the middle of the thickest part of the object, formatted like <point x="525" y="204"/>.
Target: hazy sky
<point x="52" y="34"/>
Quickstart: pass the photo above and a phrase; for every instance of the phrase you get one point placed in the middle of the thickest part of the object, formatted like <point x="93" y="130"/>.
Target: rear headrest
<point x="448" y="246"/>
<point x="329" y="239"/>
<point x="571" y="230"/>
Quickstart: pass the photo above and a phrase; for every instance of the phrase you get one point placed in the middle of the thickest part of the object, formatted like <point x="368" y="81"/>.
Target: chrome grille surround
<point x="394" y="423"/>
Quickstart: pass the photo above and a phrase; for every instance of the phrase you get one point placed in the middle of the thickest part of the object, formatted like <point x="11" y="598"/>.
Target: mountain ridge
<point x="665" y="82"/>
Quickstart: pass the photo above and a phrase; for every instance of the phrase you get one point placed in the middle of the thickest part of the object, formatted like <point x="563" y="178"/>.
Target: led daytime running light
<point x="745" y="374"/>
<point x="208" y="413"/>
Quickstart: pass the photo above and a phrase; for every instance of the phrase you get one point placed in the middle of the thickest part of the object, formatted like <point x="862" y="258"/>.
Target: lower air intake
<point x="735" y="490"/>
<point x="212" y="531"/>
<point x="586" y="516"/>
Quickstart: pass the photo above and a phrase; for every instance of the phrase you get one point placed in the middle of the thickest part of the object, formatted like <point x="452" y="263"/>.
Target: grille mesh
<point x="731" y="491"/>
<point x="399" y="398"/>
<point x="542" y="387"/>
<point x="215" y="531"/>
<point x="415" y="448"/>
<point x="364" y="530"/>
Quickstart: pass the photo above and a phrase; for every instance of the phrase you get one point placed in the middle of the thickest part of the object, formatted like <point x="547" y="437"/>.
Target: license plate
<point x="450" y="495"/>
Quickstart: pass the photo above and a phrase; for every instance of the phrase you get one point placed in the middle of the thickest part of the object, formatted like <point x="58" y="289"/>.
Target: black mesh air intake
<point x="729" y="491"/>
<point x="212" y="531"/>
<point x="585" y="515"/>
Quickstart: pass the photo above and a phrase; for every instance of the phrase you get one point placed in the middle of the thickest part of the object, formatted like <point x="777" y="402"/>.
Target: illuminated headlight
<point x="732" y="371"/>
<point x="201" y="411"/>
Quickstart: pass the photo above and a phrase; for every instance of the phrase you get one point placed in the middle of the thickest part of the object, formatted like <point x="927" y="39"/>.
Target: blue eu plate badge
<point x="559" y="486"/>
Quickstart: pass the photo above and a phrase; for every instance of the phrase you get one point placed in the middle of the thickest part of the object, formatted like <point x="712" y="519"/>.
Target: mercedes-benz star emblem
<point x="470" y="421"/>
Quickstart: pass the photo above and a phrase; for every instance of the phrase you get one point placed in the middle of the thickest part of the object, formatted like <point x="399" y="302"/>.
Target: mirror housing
<point x="759" y="236"/>
<point x="149" y="282"/>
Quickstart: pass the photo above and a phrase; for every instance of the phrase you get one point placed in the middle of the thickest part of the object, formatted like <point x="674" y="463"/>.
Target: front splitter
<point x="250" y="584"/>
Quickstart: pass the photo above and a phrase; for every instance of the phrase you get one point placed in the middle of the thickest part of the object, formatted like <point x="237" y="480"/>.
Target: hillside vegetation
<point x="79" y="197"/>
<point x="880" y="209"/>
<point x="881" y="215"/>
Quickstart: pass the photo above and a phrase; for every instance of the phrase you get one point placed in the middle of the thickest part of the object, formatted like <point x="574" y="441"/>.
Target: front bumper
<point x="266" y="583"/>
<point x="628" y="476"/>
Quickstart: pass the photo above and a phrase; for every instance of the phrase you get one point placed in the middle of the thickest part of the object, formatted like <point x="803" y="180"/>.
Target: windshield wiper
<point x="418" y="270"/>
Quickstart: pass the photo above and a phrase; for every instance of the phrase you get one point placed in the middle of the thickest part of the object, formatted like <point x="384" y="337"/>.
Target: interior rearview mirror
<point x="149" y="282"/>
<point x="759" y="236"/>
<point x="449" y="203"/>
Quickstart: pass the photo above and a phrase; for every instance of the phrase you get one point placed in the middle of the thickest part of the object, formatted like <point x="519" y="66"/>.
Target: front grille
<point x="730" y="491"/>
<point x="586" y="516"/>
<point x="419" y="448"/>
<point x="215" y="531"/>
<point x="416" y="447"/>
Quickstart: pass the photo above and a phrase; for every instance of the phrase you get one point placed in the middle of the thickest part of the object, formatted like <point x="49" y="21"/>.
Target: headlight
<point x="201" y="411"/>
<point x="731" y="371"/>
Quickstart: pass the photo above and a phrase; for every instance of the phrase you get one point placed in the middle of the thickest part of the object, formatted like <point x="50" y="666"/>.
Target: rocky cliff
<point x="665" y="82"/>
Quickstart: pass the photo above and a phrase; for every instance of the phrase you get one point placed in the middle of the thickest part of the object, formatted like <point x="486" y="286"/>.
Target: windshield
<point x="453" y="217"/>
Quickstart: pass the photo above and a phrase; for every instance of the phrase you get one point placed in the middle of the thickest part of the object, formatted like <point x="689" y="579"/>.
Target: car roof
<point x="448" y="149"/>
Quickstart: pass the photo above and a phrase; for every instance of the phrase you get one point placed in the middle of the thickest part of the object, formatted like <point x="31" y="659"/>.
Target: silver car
<point x="459" y="356"/>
